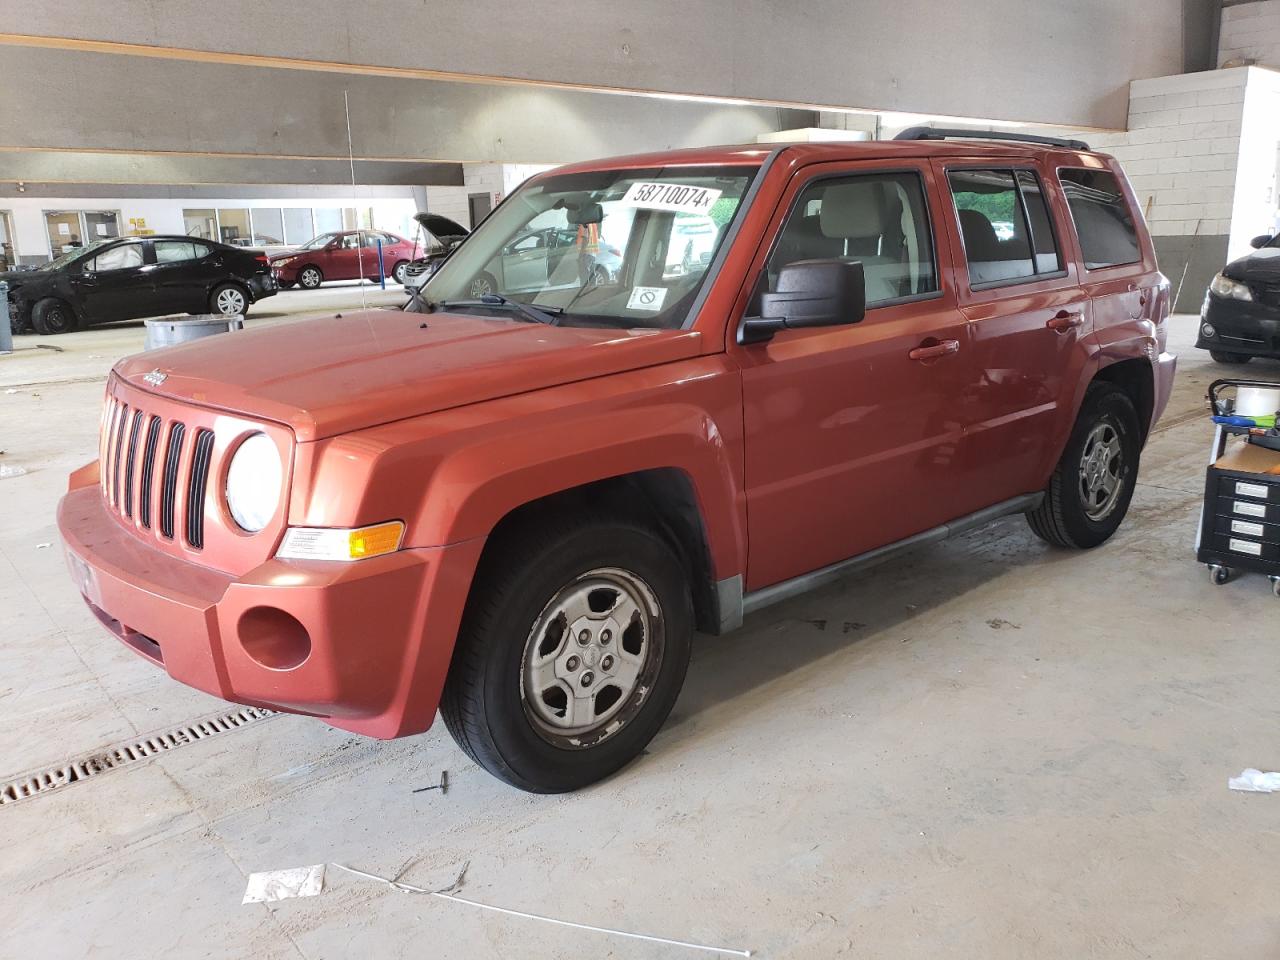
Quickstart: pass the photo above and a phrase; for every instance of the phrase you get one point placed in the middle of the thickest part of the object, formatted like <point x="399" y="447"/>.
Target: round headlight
<point x="253" y="483"/>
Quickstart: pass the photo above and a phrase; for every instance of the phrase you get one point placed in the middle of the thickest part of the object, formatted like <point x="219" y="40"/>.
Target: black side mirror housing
<point x="1260" y="241"/>
<point x="811" y="293"/>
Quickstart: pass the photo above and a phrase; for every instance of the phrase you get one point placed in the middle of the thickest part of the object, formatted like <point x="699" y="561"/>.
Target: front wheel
<point x="1089" y="492"/>
<point x="483" y="285"/>
<point x="1232" y="359"/>
<point x="573" y="648"/>
<point x="309" y="277"/>
<point x="52" y="316"/>
<point x="397" y="272"/>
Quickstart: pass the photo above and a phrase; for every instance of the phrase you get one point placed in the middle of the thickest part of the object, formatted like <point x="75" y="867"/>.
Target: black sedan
<point x="124" y="278"/>
<point x="1240" y="318"/>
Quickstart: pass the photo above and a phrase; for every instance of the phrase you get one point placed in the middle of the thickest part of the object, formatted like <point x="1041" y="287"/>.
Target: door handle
<point x="1063" y="321"/>
<point x="932" y="351"/>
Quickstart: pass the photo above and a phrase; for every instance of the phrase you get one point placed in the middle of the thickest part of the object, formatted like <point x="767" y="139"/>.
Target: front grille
<point x="129" y="470"/>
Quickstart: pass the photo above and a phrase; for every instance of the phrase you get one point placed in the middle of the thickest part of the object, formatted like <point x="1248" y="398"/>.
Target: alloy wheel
<point x="1102" y="471"/>
<point x="480" y="287"/>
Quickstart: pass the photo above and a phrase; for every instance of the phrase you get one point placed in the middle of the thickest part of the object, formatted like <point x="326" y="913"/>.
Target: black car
<point x="1240" y="318"/>
<point x="124" y="278"/>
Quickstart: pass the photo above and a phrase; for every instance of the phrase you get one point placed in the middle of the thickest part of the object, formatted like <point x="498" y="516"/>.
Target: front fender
<point x="478" y="485"/>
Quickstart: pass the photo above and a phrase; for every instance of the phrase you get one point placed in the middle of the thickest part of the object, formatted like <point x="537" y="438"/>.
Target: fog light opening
<point x="273" y="638"/>
<point x="1208" y="330"/>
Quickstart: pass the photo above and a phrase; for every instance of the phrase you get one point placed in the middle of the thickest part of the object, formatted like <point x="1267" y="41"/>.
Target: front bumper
<point x="1241" y="326"/>
<point x="364" y="646"/>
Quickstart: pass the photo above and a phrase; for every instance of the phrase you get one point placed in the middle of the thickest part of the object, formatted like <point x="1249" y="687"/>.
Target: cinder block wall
<point x="1251" y="31"/>
<point x="1181" y="153"/>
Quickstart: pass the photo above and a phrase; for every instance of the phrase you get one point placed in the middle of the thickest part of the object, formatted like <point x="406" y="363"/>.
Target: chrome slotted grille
<point x="133" y="465"/>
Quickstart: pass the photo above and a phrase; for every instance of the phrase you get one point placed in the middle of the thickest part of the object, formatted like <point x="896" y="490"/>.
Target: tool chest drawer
<point x="1250" y="487"/>
<point x="1243" y="509"/>
<point x="1246" y="528"/>
<point x="1245" y="548"/>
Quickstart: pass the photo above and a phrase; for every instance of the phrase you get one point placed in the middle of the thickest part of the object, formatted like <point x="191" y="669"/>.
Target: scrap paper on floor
<point x="283" y="884"/>
<point x="1255" y="781"/>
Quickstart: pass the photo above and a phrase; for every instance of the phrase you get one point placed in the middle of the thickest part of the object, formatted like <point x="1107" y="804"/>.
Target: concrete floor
<point x="991" y="749"/>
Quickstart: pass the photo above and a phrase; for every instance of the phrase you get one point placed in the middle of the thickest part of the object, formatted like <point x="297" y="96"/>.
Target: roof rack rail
<point x="946" y="133"/>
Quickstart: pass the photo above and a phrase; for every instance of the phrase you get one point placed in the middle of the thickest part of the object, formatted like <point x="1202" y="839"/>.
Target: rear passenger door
<point x="1028" y="319"/>
<point x="184" y="275"/>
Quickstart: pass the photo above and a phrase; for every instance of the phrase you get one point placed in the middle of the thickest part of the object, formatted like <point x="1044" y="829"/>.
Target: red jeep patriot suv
<point x="516" y="508"/>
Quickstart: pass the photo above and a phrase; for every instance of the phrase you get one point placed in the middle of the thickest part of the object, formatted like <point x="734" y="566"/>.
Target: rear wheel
<point x="1089" y="492"/>
<point x="1221" y="356"/>
<point x="229" y="300"/>
<point x="573" y="649"/>
<point x="52" y="316"/>
<point x="310" y="277"/>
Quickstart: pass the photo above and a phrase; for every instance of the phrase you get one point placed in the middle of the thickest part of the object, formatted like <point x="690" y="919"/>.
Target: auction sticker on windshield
<point x="671" y="196"/>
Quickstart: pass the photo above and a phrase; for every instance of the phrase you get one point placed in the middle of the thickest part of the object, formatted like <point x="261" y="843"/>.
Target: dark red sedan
<point x="345" y="255"/>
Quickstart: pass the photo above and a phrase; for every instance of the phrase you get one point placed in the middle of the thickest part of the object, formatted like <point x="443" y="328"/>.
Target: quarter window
<point x="1104" y="222"/>
<point x="878" y="219"/>
<point x="1005" y="225"/>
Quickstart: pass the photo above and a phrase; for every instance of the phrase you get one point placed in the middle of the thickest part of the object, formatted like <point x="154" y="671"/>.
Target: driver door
<point x="117" y="283"/>
<point x="853" y="432"/>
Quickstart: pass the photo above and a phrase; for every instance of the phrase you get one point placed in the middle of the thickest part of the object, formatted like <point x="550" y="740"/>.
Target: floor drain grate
<point x="37" y="783"/>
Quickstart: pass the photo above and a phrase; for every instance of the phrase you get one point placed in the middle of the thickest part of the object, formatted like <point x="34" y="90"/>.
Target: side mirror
<point x="811" y="293"/>
<point x="1260" y="241"/>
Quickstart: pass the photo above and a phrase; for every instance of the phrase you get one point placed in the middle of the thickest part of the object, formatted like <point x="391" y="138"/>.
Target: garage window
<point x="1104" y="222"/>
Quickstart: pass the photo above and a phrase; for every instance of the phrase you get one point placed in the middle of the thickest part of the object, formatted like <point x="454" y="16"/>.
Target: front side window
<point x="320" y="242"/>
<point x="1104" y="222"/>
<point x="616" y="248"/>
<point x="118" y="258"/>
<point x="1005" y="224"/>
<point x="879" y="219"/>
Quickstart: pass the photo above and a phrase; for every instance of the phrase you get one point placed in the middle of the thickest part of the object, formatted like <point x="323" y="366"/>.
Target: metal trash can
<point x="165" y="332"/>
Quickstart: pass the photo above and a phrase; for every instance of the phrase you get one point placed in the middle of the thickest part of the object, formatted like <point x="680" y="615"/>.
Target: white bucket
<point x="1257" y="401"/>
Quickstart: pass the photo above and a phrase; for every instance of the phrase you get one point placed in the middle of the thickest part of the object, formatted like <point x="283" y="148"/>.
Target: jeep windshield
<point x="618" y="248"/>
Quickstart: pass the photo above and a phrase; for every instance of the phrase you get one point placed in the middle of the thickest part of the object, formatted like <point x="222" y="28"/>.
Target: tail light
<point x="263" y="259"/>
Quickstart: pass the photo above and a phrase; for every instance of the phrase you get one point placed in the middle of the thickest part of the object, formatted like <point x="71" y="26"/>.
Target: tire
<point x="521" y="606"/>
<point x="229" y="300"/>
<point x="599" y="276"/>
<point x="1233" y="359"/>
<point x="310" y="277"/>
<point x="483" y="284"/>
<point x="52" y="316"/>
<point x="397" y="272"/>
<point x="1080" y="509"/>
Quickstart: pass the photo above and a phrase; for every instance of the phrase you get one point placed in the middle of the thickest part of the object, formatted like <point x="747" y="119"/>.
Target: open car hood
<point x="442" y="228"/>
<point x="337" y="374"/>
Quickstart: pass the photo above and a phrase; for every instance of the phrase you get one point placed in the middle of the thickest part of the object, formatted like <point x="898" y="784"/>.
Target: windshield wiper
<point x="548" y="315"/>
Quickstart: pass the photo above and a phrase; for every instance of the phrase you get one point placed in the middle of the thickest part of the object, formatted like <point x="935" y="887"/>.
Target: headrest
<point x="980" y="240"/>
<point x="853" y="210"/>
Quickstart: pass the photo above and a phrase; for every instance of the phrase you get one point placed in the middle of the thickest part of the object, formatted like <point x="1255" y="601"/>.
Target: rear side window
<point x="1104" y="222"/>
<point x="879" y="218"/>
<point x="177" y="251"/>
<point x="1005" y="224"/>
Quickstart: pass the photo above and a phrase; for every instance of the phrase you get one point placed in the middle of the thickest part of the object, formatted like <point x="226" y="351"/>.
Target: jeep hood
<point x="330" y="376"/>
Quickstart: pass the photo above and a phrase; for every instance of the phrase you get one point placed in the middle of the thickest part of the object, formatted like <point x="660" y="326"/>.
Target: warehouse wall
<point x="1251" y="31"/>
